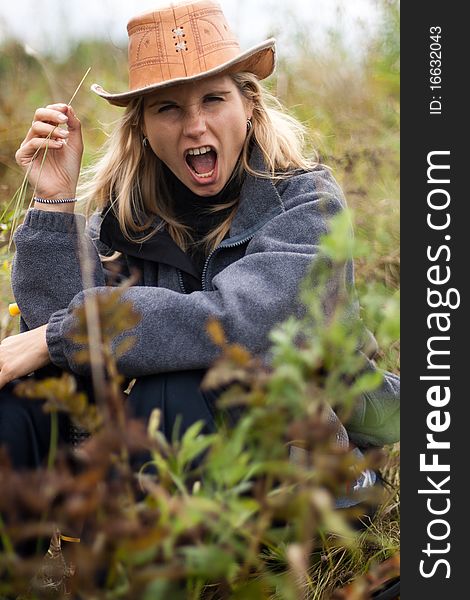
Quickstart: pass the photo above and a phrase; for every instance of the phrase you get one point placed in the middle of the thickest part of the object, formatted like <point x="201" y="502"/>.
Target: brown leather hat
<point x="185" y="41"/>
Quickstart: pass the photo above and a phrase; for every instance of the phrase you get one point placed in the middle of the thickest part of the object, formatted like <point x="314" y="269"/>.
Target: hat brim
<point x="259" y="60"/>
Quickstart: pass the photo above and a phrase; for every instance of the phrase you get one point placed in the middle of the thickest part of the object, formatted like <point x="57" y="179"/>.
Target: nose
<point x="194" y="123"/>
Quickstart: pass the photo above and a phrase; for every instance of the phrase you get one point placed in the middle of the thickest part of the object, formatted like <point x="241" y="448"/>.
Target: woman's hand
<point x="22" y="354"/>
<point x="57" y="177"/>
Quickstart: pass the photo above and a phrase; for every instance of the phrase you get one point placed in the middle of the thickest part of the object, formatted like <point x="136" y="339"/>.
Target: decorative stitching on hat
<point x="161" y="56"/>
<point x="249" y="62"/>
<point x="180" y="45"/>
<point x="198" y="19"/>
<point x="223" y="44"/>
<point x="206" y="11"/>
<point x="179" y="35"/>
<point x="143" y="39"/>
<point x="147" y="30"/>
<point x="147" y="62"/>
<point x="160" y="42"/>
<point x="198" y="43"/>
<point x="214" y="27"/>
<point x="195" y="17"/>
<point x="212" y="35"/>
<point x="146" y="27"/>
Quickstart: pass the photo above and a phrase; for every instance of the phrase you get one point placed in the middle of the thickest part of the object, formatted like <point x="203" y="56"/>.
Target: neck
<point x="180" y="193"/>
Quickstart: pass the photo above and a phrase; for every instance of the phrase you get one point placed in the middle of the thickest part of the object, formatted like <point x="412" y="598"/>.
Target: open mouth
<point x="202" y="161"/>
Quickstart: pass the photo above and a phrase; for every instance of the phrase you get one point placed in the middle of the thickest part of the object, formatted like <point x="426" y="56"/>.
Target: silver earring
<point x="249" y="125"/>
<point x="145" y="142"/>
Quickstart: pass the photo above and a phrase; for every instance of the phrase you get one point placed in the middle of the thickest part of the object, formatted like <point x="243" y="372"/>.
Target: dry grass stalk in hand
<point x="19" y="196"/>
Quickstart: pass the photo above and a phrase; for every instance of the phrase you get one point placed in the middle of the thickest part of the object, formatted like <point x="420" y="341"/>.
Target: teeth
<point x="201" y="150"/>
<point x="203" y="175"/>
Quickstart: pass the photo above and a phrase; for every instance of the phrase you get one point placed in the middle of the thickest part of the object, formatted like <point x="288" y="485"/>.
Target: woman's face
<point x="198" y="130"/>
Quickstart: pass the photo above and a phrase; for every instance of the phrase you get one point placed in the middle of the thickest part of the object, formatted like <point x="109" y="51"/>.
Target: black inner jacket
<point x="191" y="210"/>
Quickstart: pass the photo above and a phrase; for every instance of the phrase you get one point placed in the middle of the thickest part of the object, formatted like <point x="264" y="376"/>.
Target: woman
<point x="203" y="190"/>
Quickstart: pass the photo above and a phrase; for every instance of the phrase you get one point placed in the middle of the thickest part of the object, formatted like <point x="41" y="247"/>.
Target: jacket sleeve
<point x="46" y="273"/>
<point x="375" y="420"/>
<point x="248" y="297"/>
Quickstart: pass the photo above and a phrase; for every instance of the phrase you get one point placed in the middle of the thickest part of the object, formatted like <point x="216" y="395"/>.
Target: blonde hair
<point x="131" y="175"/>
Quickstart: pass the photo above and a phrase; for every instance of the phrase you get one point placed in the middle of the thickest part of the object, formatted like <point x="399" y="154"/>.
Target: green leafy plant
<point x="244" y="507"/>
<point x="235" y="513"/>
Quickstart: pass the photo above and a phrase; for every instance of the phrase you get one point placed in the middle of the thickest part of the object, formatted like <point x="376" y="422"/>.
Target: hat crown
<point x="183" y="42"/>
<point x="178" y="41"/>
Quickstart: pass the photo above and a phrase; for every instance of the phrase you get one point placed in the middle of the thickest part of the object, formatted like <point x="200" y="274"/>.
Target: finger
<point x="40" y="129"/>
<point x="51" y="115"/>
<point x="58" y="106"/>
<point x="73" y="122"/>
<point x="25" y="154"/>
<point x="36" y="143"/>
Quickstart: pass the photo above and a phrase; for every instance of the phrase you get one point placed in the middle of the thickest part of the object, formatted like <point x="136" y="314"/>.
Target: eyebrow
<point x="173" y="102"/>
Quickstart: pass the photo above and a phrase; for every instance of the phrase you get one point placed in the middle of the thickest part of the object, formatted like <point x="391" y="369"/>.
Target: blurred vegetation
<point x="351" y="108"/>
<point x="232" y="514"/>
<point x="349" y="104"/>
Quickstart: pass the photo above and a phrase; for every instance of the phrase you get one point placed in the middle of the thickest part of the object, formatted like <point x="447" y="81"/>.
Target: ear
<point x="249" y="106"/>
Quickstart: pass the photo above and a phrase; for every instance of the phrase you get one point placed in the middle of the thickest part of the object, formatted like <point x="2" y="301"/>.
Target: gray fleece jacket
<point x="250" y="283"/>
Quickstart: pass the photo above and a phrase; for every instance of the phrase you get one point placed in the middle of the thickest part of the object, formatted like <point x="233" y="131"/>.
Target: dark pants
<point x="25" y="428"/>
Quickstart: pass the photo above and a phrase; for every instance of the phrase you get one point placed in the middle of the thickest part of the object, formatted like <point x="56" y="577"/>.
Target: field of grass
<point x="351" y="108"/>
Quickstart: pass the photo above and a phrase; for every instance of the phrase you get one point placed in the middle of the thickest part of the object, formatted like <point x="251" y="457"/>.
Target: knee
<point x="13" y="417"/>
<point x="147" y="394"/>
<point x="23" y="433"/>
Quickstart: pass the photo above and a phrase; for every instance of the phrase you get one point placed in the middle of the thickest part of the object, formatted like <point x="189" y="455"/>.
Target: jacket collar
<point x="259" y="199"/>
<point x="159" y="248"/>
<point x="259" y="202"/>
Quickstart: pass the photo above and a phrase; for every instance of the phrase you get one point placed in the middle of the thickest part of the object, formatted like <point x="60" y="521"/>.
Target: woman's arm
<point x="47" y="271"/>
<point x="248" y="297"/>
<point x="22" y="354"/>
<point x="50" y="244"/>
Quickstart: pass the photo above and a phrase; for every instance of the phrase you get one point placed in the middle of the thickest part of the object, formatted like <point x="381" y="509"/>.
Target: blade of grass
<point x="49" y="136"/>
<point x="54" y="439"/>
<point x="79" y="86"/>
<point x="19" y="196"/>
<point x="5" y="539"/>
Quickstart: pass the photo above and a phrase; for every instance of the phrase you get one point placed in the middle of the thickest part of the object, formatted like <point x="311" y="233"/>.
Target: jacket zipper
<point x="219" y="247"/>
<point x="180" y="279"/>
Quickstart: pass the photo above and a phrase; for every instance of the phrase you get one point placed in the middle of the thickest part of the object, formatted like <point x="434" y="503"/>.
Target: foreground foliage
<point x="228" y="514"/>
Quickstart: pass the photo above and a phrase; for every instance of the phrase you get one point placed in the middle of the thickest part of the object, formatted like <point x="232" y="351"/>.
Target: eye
<point x="167" y="107"/>
<point x="213" y="99"/>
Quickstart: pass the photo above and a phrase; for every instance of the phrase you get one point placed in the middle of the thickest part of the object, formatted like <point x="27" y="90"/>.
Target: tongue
<point x="202" y="163"/>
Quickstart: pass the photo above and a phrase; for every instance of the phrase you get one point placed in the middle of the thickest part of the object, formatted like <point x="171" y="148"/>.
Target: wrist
<point x="43" y="350"/>
<point x="56" y="203"/>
